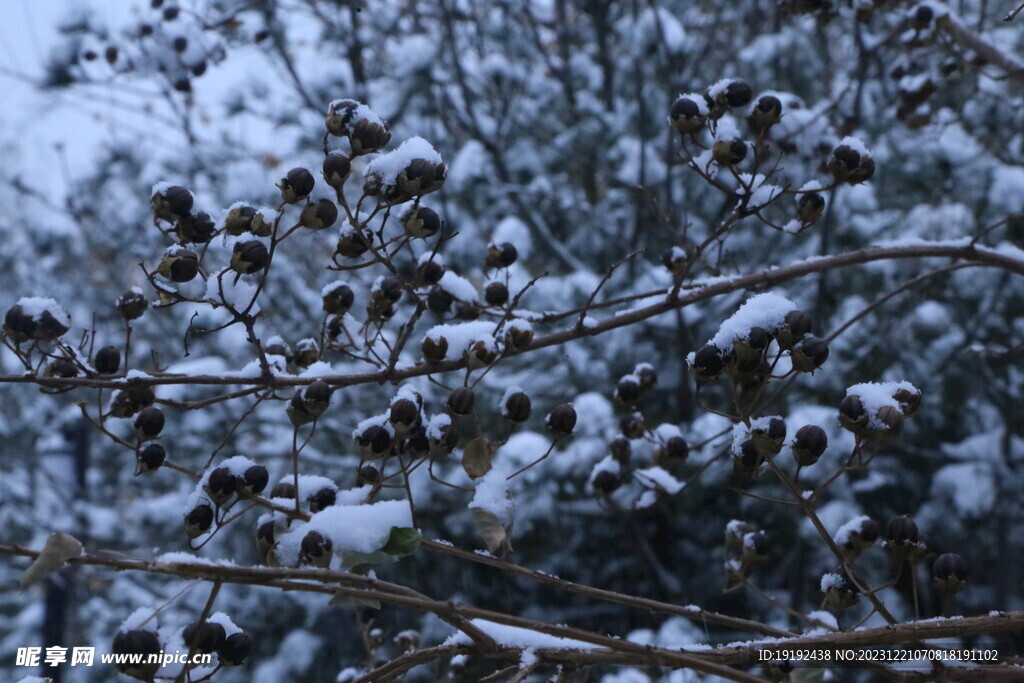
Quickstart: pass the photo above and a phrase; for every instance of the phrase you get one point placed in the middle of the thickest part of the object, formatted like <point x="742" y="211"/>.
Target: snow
<point x="856" y="144"/>
<point x="438" y="423"/>
<point x="492" y="495"/>
<point x="761" y="191"/>
<point x="224" y="620"/>
<point x="519" y="638"/>
<point x="180" y="557"/>
<point x="970" y="486"/>
<point x="656" y="477"/>
<point x="831" y="580"/>
<point x="876" y="395"/>
<point x="512" y="230"/>
<point x="503" y="404"/>
<point x="309" y="484"/>
<point x="727" y="130"/>
<point x="842" y="536"/>
<point x="824" y="617"/>
<point x="351" y="528"/>
<point x="359" y="113"/>
<point x="461" y="336"/>
<point x="459" y="287"/>
<point x="767" y="310"/>
<point x="388" y="166"/>
<point x="331" y="286"/>
<point x="382" y="420"/>
<point x="143" y="617"/>
<point x="698" y="99"/>
<point x="719" y="87"/>
<point x="35" y="306"/>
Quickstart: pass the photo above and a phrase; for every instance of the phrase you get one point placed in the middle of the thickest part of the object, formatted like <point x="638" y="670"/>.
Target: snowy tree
<point x="567" y="340"/>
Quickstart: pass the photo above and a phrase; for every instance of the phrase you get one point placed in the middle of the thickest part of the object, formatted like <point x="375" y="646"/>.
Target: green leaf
<point x="402" y="541"/>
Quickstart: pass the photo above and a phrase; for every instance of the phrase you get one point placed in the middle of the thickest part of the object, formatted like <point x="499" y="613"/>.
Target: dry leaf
<point x="59" y="548"/>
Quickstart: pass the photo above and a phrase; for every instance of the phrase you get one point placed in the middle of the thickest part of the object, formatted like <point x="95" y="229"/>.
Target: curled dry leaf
<point x="59" y="548"/>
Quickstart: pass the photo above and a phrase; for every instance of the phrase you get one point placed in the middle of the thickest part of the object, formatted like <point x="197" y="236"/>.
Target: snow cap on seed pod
<point x="839" y="591"/>
<point x="132" y="304"/>
<point x="851" y="162"/>
<point x="856" y="536"/>
<point x="688" y="113"/>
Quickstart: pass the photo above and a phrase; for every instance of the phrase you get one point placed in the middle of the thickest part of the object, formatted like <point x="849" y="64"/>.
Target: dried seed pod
<point x="62" y="367"/>
<point x="179" y="265"/>
<point x="353" y="242"/>
<point x="851" y="163"/>
<point x="628" y="389"/>
<point x="296" y="185"/>
<point x="809" y="207"/>
<point x="337" y="168"/>
<point x="198" y="228"/>
<point x="139" y="652"/>
<point x="516" y="407"/>
<point x="852" y="415"/>
<point x="648" y="376"/>
<point x="368" y="474"/>
<point x="253" y="481"/>
<point x="768" y="437"/>
<point x="501" y="255"/>
<point x="36" y="318"/>
<point x="221" y="485"/>
<point x="902" y="530"/>
<point x="316" y="550"/>
<point x="765" y="114"/>
<point x="204" y="637"/>
<point x="319" y="215"/>
<point x="562" y="420"/>
<point x="633" y="426"/>
<point x="307" y="352"/>
<point x="688" y="114"/>
<point x="249" y="257"/>
<point x="461" y="401"/>
<point x="892" y="421"/>
<point x="107" y="360"/>
<point x="404" y="413"/>
<point x="621" y="450"/>
<point x="839" y="591"/>
<point x="676" y="449"/>
<point x="909" y="400"/>
<point x="797" y="326"/>
<point x="949" y="573"/>
<point x="235" y="650"/>
<point x="496" y="294"/>
<point x="857" y="536"/>
<point x="337" y="298"/>
<point x="732" y="94"/>
<point x="606" y="482"/>
<point x="198" y="520"/>
<point x="132" y="304"/>
<point x="421" y="221"/>
<point x="324" y="498"/>
<point x="434" y="349"/>
<point x="171" y="203"/>
<point x="284" y="489"/>
<point x="755" y="550"/>
<point x="809" y="445"/>
<point x="707" y="363"/>
<point x="729" y="152"/>
<point x="430" y="273"/>
<point x="151" y="458"/>
<point x="374" y="441"/>
<point x="149" y="423"/>
<point x="265" y="539"/>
